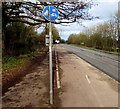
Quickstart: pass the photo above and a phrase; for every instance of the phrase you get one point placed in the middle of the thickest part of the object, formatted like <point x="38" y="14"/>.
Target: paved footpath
<point x="83" y="85"/>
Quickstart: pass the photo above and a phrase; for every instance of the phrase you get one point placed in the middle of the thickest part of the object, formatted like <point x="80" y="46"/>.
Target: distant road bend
<point x="107" y="63"/>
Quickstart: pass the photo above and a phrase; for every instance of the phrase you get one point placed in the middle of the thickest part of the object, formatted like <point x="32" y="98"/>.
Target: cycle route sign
<point x="50" y="13"/>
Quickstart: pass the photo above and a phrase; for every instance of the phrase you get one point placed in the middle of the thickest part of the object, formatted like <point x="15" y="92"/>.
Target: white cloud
<point x="65" y="31"/>
<point x="65" y="34"/>
<point x="107" y="0"/>
<point x="75" y="28"/>
<point x="105" y="9"/>
<point x="90" y="23"/>
<point x="39" y="30"/>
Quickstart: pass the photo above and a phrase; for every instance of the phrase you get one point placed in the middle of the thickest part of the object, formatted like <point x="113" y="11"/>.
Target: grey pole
<point x="50" y="15"/>
<point x="50" y="64"/>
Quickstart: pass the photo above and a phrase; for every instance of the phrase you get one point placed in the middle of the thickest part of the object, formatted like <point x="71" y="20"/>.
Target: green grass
<point x="24" y="55"/>
<point x="8" y="66"/>
<point x="104" y="51"/>
<point x="115" y="53"/>
<point x="10" y="63"/>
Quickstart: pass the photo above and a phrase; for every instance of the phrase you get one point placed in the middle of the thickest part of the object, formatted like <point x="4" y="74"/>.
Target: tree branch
<point x="20" y="12"/>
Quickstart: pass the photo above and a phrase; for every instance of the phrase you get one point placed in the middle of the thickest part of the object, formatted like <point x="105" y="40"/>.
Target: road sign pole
<point x="50" y="63"/>
<point x="51" y="14"/>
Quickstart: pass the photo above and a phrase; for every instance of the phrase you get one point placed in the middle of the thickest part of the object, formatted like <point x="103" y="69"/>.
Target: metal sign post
<point x="50" y="64"/>
<point x="50" y="13"/>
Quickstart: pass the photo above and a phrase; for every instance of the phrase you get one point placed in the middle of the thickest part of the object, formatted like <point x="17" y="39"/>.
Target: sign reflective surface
<point x="50" y="13"/>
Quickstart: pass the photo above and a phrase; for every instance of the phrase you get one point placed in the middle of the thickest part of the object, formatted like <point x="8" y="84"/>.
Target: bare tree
<point x="31" y="13"/>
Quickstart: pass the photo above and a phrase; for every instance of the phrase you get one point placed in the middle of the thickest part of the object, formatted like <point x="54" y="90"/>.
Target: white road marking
<point x="57" y="73"/>
<point x="58" y="81"/>
<point x="88" y="79"/>
<point x="56" y="69"/>
<point x="94" y="91"/>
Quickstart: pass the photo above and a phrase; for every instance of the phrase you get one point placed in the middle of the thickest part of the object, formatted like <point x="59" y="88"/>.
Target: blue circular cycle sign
<point x="50" y="13"/>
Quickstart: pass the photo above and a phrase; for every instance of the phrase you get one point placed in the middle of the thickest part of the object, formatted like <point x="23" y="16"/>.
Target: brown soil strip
<point x="11" y="78"/>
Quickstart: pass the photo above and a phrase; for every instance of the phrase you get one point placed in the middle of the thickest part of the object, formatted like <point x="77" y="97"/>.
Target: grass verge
<point x="10" y="63"/>
<point x="104" y="51"/>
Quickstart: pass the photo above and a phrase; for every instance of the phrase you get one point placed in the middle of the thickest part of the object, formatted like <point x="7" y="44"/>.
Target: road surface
<point x="83" y="85"/>
<point x="107" y="63"/>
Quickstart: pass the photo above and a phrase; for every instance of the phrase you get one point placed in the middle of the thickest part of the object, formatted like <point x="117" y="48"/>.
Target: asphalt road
<point x="83" y="85"/>
<point x="107" y="63"/>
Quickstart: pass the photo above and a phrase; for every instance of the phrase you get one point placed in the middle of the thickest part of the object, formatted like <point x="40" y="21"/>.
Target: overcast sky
<point x="105" y="9"/>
